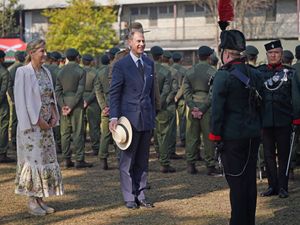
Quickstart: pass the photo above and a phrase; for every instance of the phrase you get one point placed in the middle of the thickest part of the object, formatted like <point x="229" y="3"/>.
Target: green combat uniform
<point x="102" y="94"/>
<point x="69" y="91"/>
<point x="14" y="121"/>
<point x="171" y="105"/>
<point x="92" y="109"/>
<point x="4" y="110"/>
<point x="181" y="107"/>
<point x="54" y="70"/>
<point x="196" y="88"/>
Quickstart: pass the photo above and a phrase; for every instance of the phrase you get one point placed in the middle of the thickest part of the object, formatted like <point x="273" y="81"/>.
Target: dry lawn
<point x="92" y="196"/>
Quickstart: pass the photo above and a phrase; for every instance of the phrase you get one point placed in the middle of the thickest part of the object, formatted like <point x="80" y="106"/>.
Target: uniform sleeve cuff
<point x="296" y="122"/>
<point x="213" y="137"/>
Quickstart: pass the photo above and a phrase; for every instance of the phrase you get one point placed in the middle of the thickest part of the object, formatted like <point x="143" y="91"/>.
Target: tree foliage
<point x="7" y="18"/>
<point x="82" y="25"/>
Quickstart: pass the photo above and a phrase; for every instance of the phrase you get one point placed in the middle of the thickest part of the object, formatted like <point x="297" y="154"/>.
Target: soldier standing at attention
<point x="196" y="88"/>
<point x="4" y="111"/>
<point x="102" y="93"/>
<point x="287" y="57"/>
<point x="281" y="109"/>
<point x="235" y="125"/>
<point x="69" y="91"/>
<point x="179" y="99"/>
<point x="19" y="61"/>
<point x="171" y="105"/>
<point x="91" y="107"/>
<point x="164" y="116"/>
<point x="54" y="69"/>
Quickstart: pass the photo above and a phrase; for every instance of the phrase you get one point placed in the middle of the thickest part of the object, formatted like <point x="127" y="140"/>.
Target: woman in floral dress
<point x="38" y="172"/>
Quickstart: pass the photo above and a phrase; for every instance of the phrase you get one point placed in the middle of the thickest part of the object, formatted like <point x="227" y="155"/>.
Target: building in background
<point x="179" y="25"/>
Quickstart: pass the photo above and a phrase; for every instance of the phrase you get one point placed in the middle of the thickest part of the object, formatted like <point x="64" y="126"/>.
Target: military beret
<point x="71" y="52"/>
<point x="288" y="55"/>
<point x="156" y="51"/>
<point x="205" y="51"/>
<point x="167" y="54"/>
<point x="273" y="44"/>
<point x="55" y="55"/>
<point x="233" y="39"/>
<point x="20" y="55"/>
<point x="2" y="54"/>
<point x="251" y="50"/>
<point x="105" y="59"/>
<point x="176" y="56"/>
<point x="297" y="51"/>
<point x="87" y="57"/>
<point x="48" y="54"/>
<point x="114" y="50"/>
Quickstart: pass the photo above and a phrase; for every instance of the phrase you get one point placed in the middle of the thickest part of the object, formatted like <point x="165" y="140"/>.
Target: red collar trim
<point x="274" y="66"/>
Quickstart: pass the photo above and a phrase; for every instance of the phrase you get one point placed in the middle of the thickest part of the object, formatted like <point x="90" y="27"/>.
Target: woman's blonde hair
<point x="32" y="47"/>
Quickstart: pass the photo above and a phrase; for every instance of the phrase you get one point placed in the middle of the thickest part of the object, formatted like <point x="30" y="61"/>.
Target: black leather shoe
<point x="269" y="192"/>
<point x="191" y="168"/>
<point x="283" y="193"/>
<point x="167" y="169"/>
<point x="68" y="163"/>
<point x="131" y="205"/>
<point x="144" y="203"/>
<point x="82" y="164"/>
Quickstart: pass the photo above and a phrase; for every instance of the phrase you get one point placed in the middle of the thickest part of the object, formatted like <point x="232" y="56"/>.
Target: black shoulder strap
<point x="242" y="77"/>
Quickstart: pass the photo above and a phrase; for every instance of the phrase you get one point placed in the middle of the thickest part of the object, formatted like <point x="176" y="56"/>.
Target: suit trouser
<point x="14" y="124"/>
<point x="93" y="119"/>
<point x="163" y="134"/>
<point x="4" y="124"/>
<point x="241" y="178"/>
<point x="134" y="166"/>
<point x="194" y="127"/>
<point x="105" y="137"/>
<point x="181" y="110"/>
<point x="277" y="138"/>
<point x="72" y="124"/>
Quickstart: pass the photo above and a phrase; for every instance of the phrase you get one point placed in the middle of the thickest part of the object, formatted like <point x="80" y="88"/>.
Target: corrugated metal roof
<point x="43" y="4"/>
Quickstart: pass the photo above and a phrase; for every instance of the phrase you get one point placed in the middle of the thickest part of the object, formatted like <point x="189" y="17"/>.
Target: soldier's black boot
<point x="103" y="163"/>
<point x="82" y="164"/>
<point x="191" y="168"/>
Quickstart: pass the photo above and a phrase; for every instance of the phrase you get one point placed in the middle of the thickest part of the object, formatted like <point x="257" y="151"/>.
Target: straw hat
<point x="123" y="133"/>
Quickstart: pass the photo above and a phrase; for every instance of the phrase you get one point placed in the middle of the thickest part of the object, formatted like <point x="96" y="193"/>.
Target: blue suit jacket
<point x="130" y="95"/>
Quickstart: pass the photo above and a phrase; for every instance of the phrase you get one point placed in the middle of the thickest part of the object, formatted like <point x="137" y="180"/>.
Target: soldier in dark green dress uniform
<point x="69" y="91"/>
<point x="102" y="93"/>
<point x="19" y="61"/>
<point x="165" y="115"/>
<point x="235" y="125"/>
<point x="91" y="107"/>
<point x="4" y="111"/>
<point x="281" y="109"/>
<point x="196" y="89"/>
<point x="179" y="99"/>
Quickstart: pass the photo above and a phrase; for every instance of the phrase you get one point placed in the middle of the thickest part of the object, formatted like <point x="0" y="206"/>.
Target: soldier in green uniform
<point x="179" y="99"/>
<point x="19" y="60"/>
<point x="235" y="125"/>
<point x="91" y="107"/>
<point x="296" y="148"/>
<point x="102" y="93"/>
<point x="281" y="109"/>
<point x="69" y="91"/>
<point x="165" y="115"/>
<point x="4" y="111"/>
<point x="196" y="89"/>
<point x="171" y="106"/>
<point x="287" y="57"/>
<point x="54" y="69"/>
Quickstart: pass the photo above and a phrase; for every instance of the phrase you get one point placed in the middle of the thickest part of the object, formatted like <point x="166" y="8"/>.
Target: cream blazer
<point x="28" y="98"/>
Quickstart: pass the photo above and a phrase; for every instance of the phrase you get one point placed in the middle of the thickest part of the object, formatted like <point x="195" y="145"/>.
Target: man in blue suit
<point x="132" y="96"/>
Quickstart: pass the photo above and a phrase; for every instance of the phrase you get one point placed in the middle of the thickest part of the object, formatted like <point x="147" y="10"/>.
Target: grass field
<point x="93" y="196"/>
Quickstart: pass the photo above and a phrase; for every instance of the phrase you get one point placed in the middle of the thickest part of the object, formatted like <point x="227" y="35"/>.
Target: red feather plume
<point x="225" y="9"/>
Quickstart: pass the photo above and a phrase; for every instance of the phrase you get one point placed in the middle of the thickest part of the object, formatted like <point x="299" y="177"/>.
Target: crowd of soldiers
<point x="182" y="94"/>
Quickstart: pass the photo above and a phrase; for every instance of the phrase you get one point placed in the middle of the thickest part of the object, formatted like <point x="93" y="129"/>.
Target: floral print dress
<point x="38" y="172"/>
